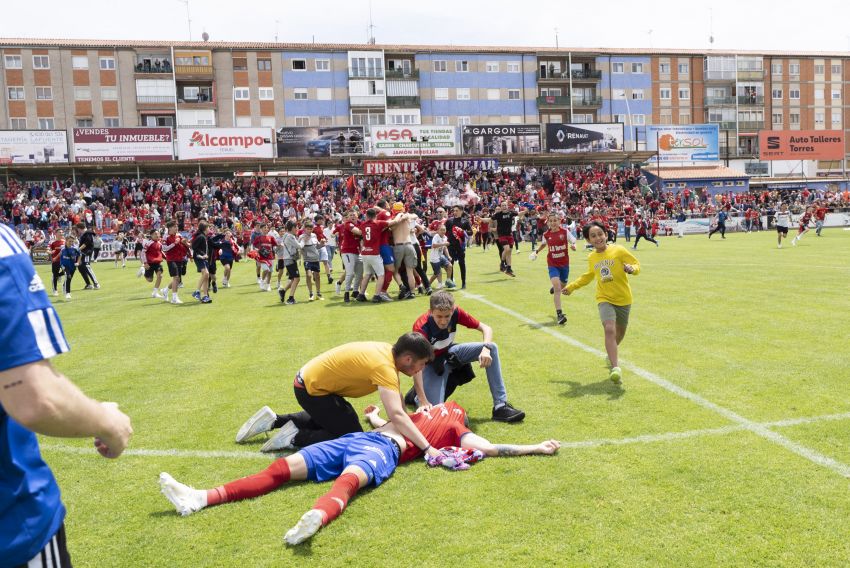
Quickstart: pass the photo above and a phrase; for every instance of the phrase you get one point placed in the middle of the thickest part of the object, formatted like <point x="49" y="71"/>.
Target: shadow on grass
<point x="603" y="387"/>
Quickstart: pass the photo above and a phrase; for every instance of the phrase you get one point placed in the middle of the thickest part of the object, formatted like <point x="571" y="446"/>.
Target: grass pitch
<point x="646" y="478"/>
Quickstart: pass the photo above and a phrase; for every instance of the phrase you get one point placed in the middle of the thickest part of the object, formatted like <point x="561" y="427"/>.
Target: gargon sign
<point x="224" y="143"/>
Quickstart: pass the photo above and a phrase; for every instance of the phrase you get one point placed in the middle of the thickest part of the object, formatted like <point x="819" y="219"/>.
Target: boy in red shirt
<point x="265" y="245"/>
<point x="152" y="262"/>
<point x="174" y="251"/>
<point x="55" y="249"/>
<point x="371" y="232"/>
<point x="556" y="239"/>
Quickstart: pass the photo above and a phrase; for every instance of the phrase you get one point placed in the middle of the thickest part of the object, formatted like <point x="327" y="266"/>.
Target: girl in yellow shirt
<point x="609" y="264"/>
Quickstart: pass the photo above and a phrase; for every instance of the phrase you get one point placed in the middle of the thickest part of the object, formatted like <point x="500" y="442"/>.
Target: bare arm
<point x="424" y="403"/>
<point x="45" y="401"/>
<point x="476" y="442"/>
<point x="484" y="359"/>
<point x="373" y="415"/>
<point x="399" y="418"/>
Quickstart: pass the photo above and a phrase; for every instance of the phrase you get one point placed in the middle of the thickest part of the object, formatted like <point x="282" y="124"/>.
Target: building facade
<point x="63" y="84"/>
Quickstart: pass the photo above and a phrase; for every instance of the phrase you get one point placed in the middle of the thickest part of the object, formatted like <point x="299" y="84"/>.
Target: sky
<point x="734" y="24"/>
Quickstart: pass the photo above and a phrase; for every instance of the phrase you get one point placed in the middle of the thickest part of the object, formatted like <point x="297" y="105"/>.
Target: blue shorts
<point x="387" y="255"/>
<point x="561" y="272"/>
<point x="375" y="454"/>
<point x="202" y="264"/>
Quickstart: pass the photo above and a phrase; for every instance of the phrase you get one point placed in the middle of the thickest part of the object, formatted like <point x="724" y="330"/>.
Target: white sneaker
<point x="67" y="296"/>
<point x="186" y="500"/>
<point x="260" y="281"/>
<point x="308" y="525"/>
<point x="176" y="300"/>
<point x="156" y="294"/>
<point x="56" y="292"/>
<point x="164" y="292"/>
<point x="180" y="285"/>
<point x="282" y="440"/>
<point x="140" y="272"/>
<point x="261" y="421"/>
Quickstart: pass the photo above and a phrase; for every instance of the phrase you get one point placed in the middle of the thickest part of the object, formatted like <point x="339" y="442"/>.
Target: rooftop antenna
<point x="276" y="24"/>
<point x="371" y="29"/>
<point x="556" y="38"/>
<point x="710" y="27"/>
<point x="205" y="36"/>
<point x="188" y="17"/>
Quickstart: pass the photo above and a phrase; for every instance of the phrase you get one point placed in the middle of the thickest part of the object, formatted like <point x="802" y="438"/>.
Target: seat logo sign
<point x="773" y="142"/>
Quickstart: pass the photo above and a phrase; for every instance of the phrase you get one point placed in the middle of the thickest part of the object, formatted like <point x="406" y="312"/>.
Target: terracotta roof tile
<point x="714" y="172"/>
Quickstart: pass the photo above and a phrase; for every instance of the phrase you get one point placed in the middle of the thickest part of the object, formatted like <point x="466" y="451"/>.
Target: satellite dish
<point x="205" y="36"/>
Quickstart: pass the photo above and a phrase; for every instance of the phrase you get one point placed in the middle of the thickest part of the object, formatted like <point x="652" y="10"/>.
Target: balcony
<point x="587" y="74"/>
<point x="401" y="74"/>
<point x="194" y="70"/>
<point x="366" y="100"/>
<point x="719" y="101"/>
<point x="749" y="75"/>
<point x="713" y="75"/>
<point x="726" y="125"/>
<point x="153" y="67"/>
<point x="587" y="102"/>
<point x="365" y="73"/>
<point x="199" y="102"/>
<point x="402" y="102"/>
<point x="553" y="102"/>
<point x="556" y="77"/>
<point x="751" y="125"/>
<point x="751" y="100"/>
<point x="158" y="100"/>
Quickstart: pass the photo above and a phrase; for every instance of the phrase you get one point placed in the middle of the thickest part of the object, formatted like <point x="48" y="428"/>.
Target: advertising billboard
<point x="501" y="139"/>
<point x="801" y="144"/>
<point x="122" y="144"/>
<point x="373" y="167"/>
<point x="684" y="143"/>
<point x="33" y="147"/>
<point x="399" y="140"/>
<point x="575" y="138"/>
<point x="310" y="141"/>
<point x="224" y="143"/>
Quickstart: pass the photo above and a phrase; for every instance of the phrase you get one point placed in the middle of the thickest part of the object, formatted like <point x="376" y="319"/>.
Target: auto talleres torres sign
<point x="224" y="143"/>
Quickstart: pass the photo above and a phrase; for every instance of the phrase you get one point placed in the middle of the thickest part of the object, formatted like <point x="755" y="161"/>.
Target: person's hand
<point x="549" y="447"/>
<point x="112" y="442"/>
<point x="147" y="266"/>
<point x="565" y="291"/>
<point x="573" y="246"/>
<point x="424" y="407"/>
<point x="628" y="268"/>
<point x="372" y="410"/>
<point x="532" y="256"/>
<point x="484" y="359"/>
<point x="432" y="452"/>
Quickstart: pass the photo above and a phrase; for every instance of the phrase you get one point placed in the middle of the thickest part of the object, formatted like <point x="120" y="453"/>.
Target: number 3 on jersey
<point x="368" y="233"/>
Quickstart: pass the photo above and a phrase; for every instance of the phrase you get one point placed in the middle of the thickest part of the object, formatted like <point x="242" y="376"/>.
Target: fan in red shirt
<point x="556" y="239"/>
<point x="386" y="249"/>
<point x="176" y="250"/>
<point x="152" y="262"/>
<point x="55" y="248"/>
<point x="820" y="217"/>
<point x="349" y="250"/>
<point x="370" y="251"/>
<point x="264" y="245"/>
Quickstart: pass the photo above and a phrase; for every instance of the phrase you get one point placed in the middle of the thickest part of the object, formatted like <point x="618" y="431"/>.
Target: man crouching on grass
<point x="353" y="462"/>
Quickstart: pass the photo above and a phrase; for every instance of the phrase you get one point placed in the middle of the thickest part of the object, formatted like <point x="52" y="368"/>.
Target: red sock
<point x="252" y="486"/>
<point x="332" y="503"/>
<point x="388" y="278"/>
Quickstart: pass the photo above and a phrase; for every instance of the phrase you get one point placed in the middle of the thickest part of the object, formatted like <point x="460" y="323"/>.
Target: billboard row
<point x="684" y="143"/>
<point x="304" y="141"/>
<point x="398" y="140"/>
<point x="33" y="147"/>
<point x="225" y="143"/>
<point x="122" y="144"/>
<point x="373" y="167"/>
<point x="801" y="145"/>
<point x="501" y="139"/>
<point x="576" y="138"/>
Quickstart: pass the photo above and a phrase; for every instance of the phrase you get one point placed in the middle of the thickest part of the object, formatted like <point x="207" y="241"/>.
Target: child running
<point x="152" y="263"/>
<point x="55" y="248"/>
<point x="609" y="264"/>
<point x="783" y="223"/>
<point x="69" y="258"/>
<point x="558" y="259"/>
<point x="804" y="226"/>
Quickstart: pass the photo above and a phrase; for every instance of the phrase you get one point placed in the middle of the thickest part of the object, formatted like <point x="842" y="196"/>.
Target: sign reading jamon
<point x="801" y="145"/>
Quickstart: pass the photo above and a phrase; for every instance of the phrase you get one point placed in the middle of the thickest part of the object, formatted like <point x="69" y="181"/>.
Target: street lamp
<point x="419" y="140"/>
<point x="629" y="117"/>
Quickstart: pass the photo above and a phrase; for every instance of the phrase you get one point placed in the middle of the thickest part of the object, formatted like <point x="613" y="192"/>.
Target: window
<point x="366" y="67"/>
<point x="513" y="67"/>
<point x="637" y="94"/>
<point x="439" y="66"/>
<point x="514" y="119"/>
<point x="324" y="94"/>
<point x="269" y="122"/>
<point x="243" y="121"/>
<point x="493" y="94"/>
<point x="836" y="118"/>
<point x="111" y="122"/>
<point x="109" y="93"/>
<point x="264" y="64"/>
<point x="513" y="94"/>
<point x="461" y="66"/>
<point x="776" y="68"/>
<point x="82" y="93"/>
<point x="637" y="67"/>
<point x="326" y="121"/>
<point x="794" y="118"/>
<point x="16" y="93"/>
<point x="684" y="118"/>
<point x="665" y="94"/>
<point x="79" y="62"/>
<point x="323" y="65"/>
<point x="492" y="67"/>
<point x="666" y="117"/>
<point x="637" y="119"/>
<point x="300" y="94"/>
<point x="242" y="94"/>
<point x="41" y="62"/>
<point x="776" y="118"/>
<point x="794" y="94"/>
<point x="819" y="94"/>
<point x="13" y="62"/>
<point x="266" y="94"/>
<point x="664" y="68"/>
<point x="776" y="94"/>
<point x="441" y="120"/>
<point x="794" y="69"/>
<point x="18" y="123"/>
<point x="44" y="93"/>
<point x="618" y="94"/>
<point x="84" y="123"/>
<point x="464" y="120"/>
<point x="463" y="94"/>
<point x="372" y="88"/>
<point x="819" y="118"/>
<point x="836" y="94"/>
<point x="684" y="68"/>
<point x="441" y="94"/>
<point x="107" y="63"/>
<point x="46" y="124"/>
<point x="684" y="93"/>
<point x="820" y="69"/>
<point x="620" y="118"/>
<point x="835" y="69"/>
<point x="583" y="118"/>
<point x="299" y="64"/>
<point x="302" y="121"/>
<point x="617" y="67"/>
<point x="240" y="63"/>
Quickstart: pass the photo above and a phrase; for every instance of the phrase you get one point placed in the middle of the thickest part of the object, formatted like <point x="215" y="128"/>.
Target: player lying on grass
<point x="353" y="462"/>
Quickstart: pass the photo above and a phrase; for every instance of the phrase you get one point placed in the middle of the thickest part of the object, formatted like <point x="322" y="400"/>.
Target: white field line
<point x="754" y="427"/>
<point x="576" y="444"/>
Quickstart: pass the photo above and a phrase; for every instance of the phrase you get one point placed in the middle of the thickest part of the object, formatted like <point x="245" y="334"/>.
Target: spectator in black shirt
<point x="504" y="218"/>
<point x="457" y="247"/>
<point x="86" y="246"/>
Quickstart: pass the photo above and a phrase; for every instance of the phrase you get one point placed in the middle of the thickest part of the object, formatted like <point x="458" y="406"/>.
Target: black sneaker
<point x="510" y="272"/>
<point x="376" y="299"/>
<point x="508" y="413"/>
<point x="330" y="279"/>
<point x="362" y="298"/>
<point x="347" y="297"/>
<point x="421" y="291"/>
<point x="552" y="290"/>
<point x="282" y="295"/>
<point x="562" y="319"/>
<point x="410" y="398"/>
<point x="215" y="288"/>
<point x="290" y="301"/>
<point x="428" y="291"/>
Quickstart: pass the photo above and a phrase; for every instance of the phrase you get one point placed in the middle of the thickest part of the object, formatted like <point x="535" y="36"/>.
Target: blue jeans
<point x="435" y="385"/>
